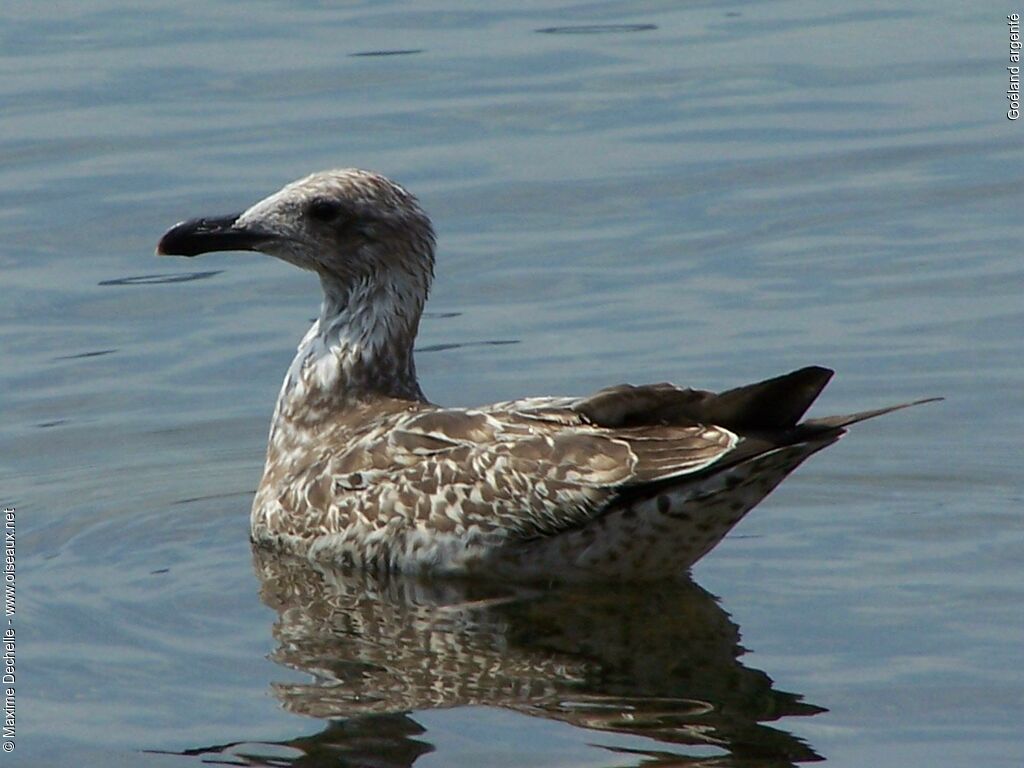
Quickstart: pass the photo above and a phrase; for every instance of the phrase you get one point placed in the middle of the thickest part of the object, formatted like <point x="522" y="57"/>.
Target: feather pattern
<point x="632" y="482"/>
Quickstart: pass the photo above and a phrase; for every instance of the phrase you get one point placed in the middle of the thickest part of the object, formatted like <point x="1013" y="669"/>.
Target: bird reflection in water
<point x="655" y="660"/>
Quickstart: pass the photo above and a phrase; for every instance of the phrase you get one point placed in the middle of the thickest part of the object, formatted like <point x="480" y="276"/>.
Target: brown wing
<point x="546" y="465"/>
<point x="536" y="467"/>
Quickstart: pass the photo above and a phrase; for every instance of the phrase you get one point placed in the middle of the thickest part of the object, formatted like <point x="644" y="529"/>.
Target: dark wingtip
<point x="772" y="404"/>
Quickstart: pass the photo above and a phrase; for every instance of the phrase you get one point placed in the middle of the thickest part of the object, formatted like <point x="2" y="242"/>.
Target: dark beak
<point x="195" y="236"/>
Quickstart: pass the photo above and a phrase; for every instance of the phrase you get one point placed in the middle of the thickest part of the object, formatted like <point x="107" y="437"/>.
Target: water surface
<point x="633" y="192"/>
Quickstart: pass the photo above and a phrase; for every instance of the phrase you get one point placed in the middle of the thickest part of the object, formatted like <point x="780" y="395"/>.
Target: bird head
<point x="346" y="225"/>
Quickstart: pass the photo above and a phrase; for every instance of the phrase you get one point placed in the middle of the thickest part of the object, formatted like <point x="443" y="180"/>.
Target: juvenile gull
<point x="633" y="482"/>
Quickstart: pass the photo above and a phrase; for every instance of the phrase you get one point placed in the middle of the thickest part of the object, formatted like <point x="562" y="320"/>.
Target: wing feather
<point x="533" y="467"/>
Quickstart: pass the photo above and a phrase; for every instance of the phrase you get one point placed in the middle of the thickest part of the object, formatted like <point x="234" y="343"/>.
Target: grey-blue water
<point x="702" y="192"/>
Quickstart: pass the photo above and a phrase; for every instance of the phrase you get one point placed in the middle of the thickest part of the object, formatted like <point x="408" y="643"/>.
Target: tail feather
<point x="839" y="422"/>
<point x="814" y="433"/>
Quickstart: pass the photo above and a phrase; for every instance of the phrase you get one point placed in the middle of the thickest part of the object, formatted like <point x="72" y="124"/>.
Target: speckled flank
<point x="361" y="470"/>
<point x="662" y="534"/>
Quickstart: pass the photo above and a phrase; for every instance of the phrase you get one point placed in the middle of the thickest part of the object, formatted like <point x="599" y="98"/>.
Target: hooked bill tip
<point x="162" y="247"/>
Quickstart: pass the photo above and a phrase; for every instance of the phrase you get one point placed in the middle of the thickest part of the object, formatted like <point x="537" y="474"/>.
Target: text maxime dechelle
<point x="7" y="726"/>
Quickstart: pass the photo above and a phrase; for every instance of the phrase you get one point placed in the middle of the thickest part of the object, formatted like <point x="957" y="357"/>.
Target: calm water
<point x="707" y="193"/>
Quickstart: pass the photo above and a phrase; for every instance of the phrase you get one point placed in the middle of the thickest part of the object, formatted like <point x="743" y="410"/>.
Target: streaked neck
<point x="358" y="350"/>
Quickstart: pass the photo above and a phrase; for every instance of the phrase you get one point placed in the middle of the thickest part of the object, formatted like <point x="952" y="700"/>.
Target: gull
<point x="362" y="471"/>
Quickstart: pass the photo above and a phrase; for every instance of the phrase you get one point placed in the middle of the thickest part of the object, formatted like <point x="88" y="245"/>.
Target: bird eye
<point x="324" y="209"/>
